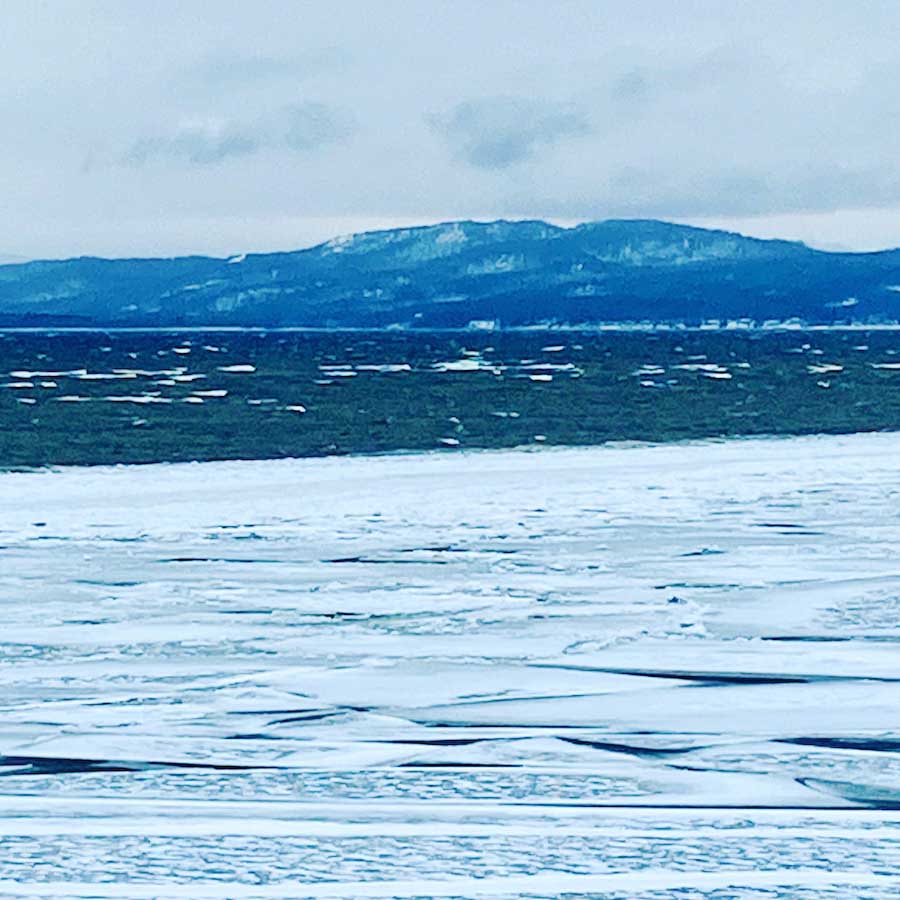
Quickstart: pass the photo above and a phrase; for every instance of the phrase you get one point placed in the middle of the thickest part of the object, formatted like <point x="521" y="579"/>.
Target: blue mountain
<point x="449" y="275"/>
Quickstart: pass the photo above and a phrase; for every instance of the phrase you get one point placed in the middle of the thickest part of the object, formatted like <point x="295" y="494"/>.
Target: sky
<point x="218" y="127"/>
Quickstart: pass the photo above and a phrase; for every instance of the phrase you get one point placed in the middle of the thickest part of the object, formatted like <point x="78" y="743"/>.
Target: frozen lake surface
<point x="652" y="672"/>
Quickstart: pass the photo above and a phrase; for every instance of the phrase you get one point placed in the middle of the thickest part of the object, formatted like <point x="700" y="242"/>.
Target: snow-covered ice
<point x="642" y="672"/>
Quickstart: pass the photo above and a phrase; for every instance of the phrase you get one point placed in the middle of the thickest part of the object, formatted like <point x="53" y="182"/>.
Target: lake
<point x="85" y="398"/>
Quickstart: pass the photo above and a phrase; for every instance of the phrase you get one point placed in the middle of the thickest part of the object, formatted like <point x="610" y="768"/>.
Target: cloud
<point x="304" y="127"/>
<point x="312" y="125"/>
<point x="201" y="144"/>
<point x="498" y="132"/>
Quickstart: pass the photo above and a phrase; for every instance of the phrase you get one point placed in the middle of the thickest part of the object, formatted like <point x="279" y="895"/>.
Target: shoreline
<point x="452" y="452"/>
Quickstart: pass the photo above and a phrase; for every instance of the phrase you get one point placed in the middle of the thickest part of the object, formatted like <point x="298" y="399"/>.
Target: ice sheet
<point x="617" y="672"/>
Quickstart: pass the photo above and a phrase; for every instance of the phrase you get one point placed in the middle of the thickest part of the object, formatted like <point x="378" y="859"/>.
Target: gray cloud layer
<point x="303" y="127"/>
<point x="215" y="127"/>
<point x="496" y="132"/>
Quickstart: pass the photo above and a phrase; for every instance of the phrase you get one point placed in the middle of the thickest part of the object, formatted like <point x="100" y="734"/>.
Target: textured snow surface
<point x="631" y="672"/>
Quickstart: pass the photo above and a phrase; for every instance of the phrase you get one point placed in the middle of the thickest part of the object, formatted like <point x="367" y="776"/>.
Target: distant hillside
<point x="450" y="275"/>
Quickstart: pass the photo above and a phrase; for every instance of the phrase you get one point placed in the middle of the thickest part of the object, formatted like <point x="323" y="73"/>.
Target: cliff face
<point x="516" y="273"/>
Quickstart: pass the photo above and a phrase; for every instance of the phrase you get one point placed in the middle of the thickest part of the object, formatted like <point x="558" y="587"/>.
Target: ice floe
<point x="607" y="671"/>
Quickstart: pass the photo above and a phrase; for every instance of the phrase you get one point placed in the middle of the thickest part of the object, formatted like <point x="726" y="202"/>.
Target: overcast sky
<point x="138" y="128"/>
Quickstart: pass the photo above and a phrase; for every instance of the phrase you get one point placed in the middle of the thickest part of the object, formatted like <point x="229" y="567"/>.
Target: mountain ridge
<point x="505" y="273"/>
